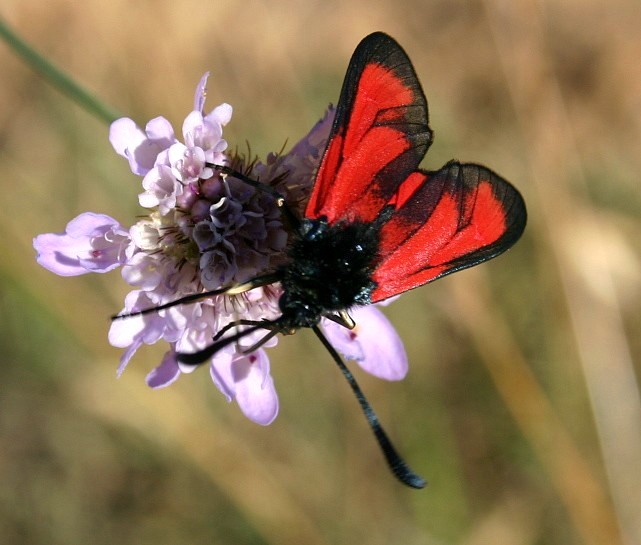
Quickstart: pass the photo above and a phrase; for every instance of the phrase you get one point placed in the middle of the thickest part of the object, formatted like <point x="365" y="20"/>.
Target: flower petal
<point x="255" y="393"/>
<point x="373" y="343"/>
<point x="246" y="379"/>
<point x="122" y="133"/>
<point x="91" y="243"/>
<point x="127" y="355"/>
<point x="220" y="372"/>
<point x="141" y="148"/>
<point x="147" y="328"/>
<point x="201" y="93"/>
<point x="160" y="131"/>
<point x="166" y="373"/>
<point x="142" y="271"/>
<point x="222" y="114"/>
<point x="161" y="189"/>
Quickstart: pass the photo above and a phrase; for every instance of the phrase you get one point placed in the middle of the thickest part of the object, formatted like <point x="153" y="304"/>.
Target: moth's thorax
<point x="329" y="269"/>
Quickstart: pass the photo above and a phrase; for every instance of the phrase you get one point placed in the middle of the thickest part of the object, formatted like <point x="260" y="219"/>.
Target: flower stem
<point x="57" y="77"/>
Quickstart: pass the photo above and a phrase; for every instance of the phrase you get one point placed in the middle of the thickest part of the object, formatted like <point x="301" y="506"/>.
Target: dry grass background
<point x="522" y="404"/>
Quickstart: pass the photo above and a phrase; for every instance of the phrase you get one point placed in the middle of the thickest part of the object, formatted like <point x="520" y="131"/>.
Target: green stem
<point x="58" y="78"/>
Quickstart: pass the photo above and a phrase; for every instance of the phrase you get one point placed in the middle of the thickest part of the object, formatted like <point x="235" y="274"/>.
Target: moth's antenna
<point x="398" y="466"/>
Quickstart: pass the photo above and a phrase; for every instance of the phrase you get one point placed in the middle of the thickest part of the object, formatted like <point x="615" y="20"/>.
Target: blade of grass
<point x="54" y="75"/>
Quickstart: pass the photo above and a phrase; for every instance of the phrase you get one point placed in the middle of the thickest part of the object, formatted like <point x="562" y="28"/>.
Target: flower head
<point x="202" y="232"/>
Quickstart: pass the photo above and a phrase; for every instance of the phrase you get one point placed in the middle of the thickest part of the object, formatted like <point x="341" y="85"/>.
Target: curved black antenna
<point x="398" y="466"/>
<point x="236" y="289"/>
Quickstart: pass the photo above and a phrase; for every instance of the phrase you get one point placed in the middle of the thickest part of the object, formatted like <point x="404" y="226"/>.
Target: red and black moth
<point x="376" y="225"/>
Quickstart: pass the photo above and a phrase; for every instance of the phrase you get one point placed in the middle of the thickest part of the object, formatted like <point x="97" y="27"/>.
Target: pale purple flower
<point x="161" y="189"/>
<point x="141" y="148"/>
<point x="91" y="243"/>
<point x="204" y="232"/>
<point x="373" y="343"/>
<point x="188" y="164"/>
<point x="166" y="373"/>
<point x="246" y="379"/>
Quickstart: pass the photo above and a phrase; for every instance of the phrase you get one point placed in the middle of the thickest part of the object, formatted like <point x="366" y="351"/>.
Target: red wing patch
<point x="379" y="136"/>
<point x="445" y="221"/>
<point x="442" y="221"/>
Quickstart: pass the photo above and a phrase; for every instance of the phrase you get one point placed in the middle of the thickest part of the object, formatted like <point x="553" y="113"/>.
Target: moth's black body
<point x="329" y="270"/>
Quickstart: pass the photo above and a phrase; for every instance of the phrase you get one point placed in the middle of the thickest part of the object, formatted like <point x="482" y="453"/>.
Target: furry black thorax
<point x="329" y="269"/>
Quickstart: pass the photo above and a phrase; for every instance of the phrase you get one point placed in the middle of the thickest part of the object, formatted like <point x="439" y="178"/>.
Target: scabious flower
<point x="202" y="232"/>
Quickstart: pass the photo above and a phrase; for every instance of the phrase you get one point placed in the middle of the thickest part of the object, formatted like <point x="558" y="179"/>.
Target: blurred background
<point x="522" y="403"/>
